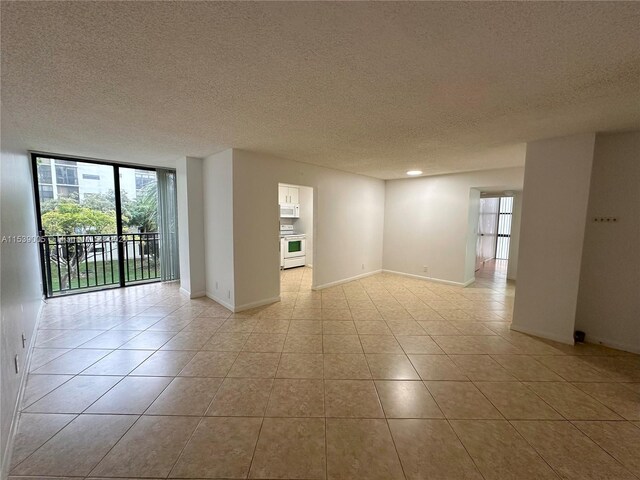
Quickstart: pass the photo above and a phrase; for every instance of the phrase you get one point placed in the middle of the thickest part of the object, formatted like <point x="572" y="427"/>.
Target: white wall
<point x="304" y="224"/>
<point x="190" y="225"/>
<point x="349" y="213"/>
<point x="514" y="242"/>
<point x="554" y="209"/>
<point x="217" y="179"/>
<point x="431" y="221"/>
<point x="609" y="295"/>
<point x="20" y="285"/>
<point x="473" y="213"/>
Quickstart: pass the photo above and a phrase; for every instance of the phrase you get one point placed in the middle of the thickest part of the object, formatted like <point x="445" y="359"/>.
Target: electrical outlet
<point x="216" y="285"/>
<point x="363" y="266"/>
<point x="229" y="294"/>
<point x="425" y="269"/>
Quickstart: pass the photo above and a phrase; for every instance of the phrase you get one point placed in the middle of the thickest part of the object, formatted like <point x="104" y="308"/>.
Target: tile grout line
<point x="179" y="456"/>
<point x="465" y="448"/>
<point x="44" y="443"/>
<point x="113" y="446"/>
<point x="290" y="318"/>
<point x="600" y="447"/>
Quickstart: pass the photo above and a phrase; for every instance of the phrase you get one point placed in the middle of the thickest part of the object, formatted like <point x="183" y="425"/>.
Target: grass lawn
<point x="100" y="274"/>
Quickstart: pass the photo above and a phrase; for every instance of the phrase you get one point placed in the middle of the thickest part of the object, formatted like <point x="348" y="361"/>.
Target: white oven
<point x="289" y="210"/>
<point x="293" y="251"/>
<point x="294" y="246"/>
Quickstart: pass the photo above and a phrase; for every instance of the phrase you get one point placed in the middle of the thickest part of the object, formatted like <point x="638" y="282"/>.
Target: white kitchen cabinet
<point x="294" y="195"/>
<point x="283" y="194"/>
<point x="288" y="194"/>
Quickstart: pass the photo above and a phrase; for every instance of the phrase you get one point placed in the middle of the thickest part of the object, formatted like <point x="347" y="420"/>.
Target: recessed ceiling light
<point x="413" y="173"/>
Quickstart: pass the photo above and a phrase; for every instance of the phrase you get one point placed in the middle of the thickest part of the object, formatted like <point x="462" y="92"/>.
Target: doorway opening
<point x="103" y="225"/>
<point x="494" y="235"/>
<point x="296" y="237"/>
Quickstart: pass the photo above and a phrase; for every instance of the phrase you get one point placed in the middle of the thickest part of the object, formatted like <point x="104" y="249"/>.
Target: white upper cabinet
<point x="294" y="195"/>
<point x="283" y="194"/>
<point x="288" y="194"/>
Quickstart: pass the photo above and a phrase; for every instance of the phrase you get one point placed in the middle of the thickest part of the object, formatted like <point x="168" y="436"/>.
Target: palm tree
<point x="143" y="210"/>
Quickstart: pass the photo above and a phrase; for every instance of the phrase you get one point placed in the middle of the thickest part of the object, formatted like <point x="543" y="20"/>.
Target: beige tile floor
<point x="387" y="377"/>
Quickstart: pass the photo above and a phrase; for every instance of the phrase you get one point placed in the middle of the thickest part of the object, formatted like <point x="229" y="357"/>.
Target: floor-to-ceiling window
<point x="487" y="231"/>
<point x="494" y="229"/>
<point x="505" y="214"/>
<point x="100" y="224"/>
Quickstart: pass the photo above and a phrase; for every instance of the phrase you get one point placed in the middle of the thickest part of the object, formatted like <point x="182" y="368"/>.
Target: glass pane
<point x="295" y="246"/>
<point x="46" y="192"/>
<point x="66" y="175"/>
<point x="139" y="197"/>
<point x="504" y="224"/>
<point x="502" y="251"/>
<point x="71" y="205"/>
<point x="487" y="229"/>
<point x="78" y="215"/>
<point x="506" y="204"/>
<point x="44" y="171"/>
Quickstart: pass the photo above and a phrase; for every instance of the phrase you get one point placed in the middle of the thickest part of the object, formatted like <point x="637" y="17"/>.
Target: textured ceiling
<point x="373" y="88"/>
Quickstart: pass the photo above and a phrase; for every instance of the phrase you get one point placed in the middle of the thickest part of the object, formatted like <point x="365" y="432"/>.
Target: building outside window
<point x="46" y="192"/>
<point x="66" y="174"/>
<point x="72" y="179"/>
<point x="144" y="178"/>
<point x="68" y="191"/>
<point x="44" y="171"/>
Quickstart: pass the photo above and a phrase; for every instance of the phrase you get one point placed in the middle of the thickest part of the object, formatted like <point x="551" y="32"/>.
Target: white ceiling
<point x="373" y="88"/>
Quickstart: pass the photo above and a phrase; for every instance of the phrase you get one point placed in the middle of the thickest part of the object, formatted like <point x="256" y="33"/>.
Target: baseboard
<point x="542" y="334"/>
<point x="246" y="306"/>
<point x="345" y="280"/>
<point x="431" y="279"/>
<point x="259" y="303"/>
<point x="627" y="347"/>
<point x="6" y="455"/>
<point x="194" y="294"/>
<point x="222" y="302"/>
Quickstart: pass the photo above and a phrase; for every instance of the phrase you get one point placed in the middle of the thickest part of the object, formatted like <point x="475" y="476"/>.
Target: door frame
<point x="314" y="196"/>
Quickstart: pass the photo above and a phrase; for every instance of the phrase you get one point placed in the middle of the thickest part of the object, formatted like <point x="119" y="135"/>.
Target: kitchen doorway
<point x="296" y="230"/>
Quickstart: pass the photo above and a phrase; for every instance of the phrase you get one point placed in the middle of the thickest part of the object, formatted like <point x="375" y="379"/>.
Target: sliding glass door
<point x="100" y="224"/>
<point x="139" y="206"/>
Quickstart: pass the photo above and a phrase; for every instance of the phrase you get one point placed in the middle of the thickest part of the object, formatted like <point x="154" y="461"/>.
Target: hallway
<point x="386" y="377"/>
<point x="493" y="274"/>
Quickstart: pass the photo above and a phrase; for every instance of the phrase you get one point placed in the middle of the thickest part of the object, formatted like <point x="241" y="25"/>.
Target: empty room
<point x="320" y="240"/>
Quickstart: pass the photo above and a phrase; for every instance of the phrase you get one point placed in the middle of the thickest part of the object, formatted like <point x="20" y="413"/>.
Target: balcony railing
<point x="75" y="263"/>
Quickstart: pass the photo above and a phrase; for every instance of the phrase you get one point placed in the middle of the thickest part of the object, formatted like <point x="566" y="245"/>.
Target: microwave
<point x="289" y="210"/>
